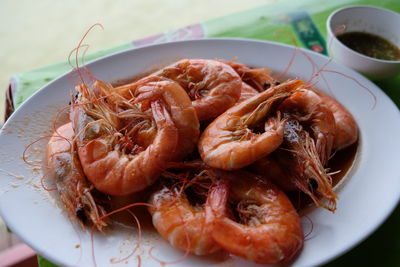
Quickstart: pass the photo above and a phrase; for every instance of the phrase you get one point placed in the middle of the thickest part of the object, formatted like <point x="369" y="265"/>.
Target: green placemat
<point x="305" y="21"/>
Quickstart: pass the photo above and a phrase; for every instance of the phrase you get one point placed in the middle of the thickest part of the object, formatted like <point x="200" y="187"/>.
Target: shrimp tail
<point x="217" y="199"/>
<point x="150" y="91"/>
<point x="160" y="113"/>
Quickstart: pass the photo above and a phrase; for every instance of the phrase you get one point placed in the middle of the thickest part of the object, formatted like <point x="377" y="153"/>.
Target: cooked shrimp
<point x="302" y="165"/>
<point x="229" y="142"/>
<point x="74" y="190"/>
<point x="268" y="228"/>
<point x="145" y="130"/>
<point x="110" y="158"/>
<point x="183" y="114"/>
<point x="212" y="86"/>
<point x="308" y="108"/>
<point x="185" y="119"/>
<point x="182" y="223"/>
<point x="258" y="78"/>
<point x="346" y="127"/>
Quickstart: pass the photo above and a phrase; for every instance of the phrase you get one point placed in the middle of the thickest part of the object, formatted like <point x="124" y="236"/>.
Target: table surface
<point x="37" y="33"/>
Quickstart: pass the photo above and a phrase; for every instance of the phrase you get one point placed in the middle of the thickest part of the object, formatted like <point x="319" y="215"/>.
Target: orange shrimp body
<point x="269" y="229"/>
<point x="247" y="92"/>
<point x="212" y="86"/>
<point x="346" y="126"/>
<point x="229" y="143"/>
<point x="110" y="158"/>
<point x="184" y="226"/>
<point x="183" y="114"/>
<point x="308" y="108"/>
<point x="74" y="189"/>
<point x="185" y="118"/>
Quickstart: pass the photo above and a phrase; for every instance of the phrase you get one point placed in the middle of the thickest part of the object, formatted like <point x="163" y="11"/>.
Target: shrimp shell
<point x="212" y="86"/>
<point x="346" y="127"/>
<point x="308" y="108"/>
<point x="184" y="226"/>
<point x="74" y="190"/>
<point x="270" y="231"/>
<point x="228" y="142"/>
<point x="103" y="150"/>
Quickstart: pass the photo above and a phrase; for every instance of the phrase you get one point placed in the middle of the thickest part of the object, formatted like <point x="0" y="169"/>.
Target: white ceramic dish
<point x="375" y="20"/>
<point x="370" y="194"/>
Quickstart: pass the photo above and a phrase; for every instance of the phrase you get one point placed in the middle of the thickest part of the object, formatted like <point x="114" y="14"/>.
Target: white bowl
<point x="378" y="21"/>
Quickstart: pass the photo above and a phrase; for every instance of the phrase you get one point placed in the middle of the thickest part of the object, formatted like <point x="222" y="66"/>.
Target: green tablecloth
<point x="306" y="21"/>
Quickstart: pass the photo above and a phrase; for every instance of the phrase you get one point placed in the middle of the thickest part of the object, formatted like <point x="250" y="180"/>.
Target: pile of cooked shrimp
<point x="216" y="144"/>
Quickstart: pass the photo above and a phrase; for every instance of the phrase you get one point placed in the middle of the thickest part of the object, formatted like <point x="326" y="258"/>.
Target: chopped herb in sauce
<point x="370" y="45"/>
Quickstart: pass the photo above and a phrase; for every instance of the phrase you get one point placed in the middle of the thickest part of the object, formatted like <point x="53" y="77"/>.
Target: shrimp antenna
<point x="288" y="35"/>
<point x="79" y="46"/>
<point x="108" y="215"/>
<point x="139" y="238"/>
<point x="307" y="235"/>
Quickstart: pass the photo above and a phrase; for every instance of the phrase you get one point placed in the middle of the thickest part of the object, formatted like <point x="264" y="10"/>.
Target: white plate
<point x="370" y="194"/>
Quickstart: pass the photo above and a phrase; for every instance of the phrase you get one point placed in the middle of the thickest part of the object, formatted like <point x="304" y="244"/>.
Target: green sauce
<point x="370" y="45"/>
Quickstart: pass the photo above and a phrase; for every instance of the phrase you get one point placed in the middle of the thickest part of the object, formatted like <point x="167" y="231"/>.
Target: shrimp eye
<point x="266" y="85"/>
<point x="80" y="213"/>
<point x="75" y="98"/>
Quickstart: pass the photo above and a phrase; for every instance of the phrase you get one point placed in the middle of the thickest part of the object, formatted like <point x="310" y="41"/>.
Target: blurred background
<point x="37" y="33"/>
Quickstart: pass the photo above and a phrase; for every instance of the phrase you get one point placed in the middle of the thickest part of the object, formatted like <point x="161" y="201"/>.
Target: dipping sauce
<point x="370" y="45"/>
